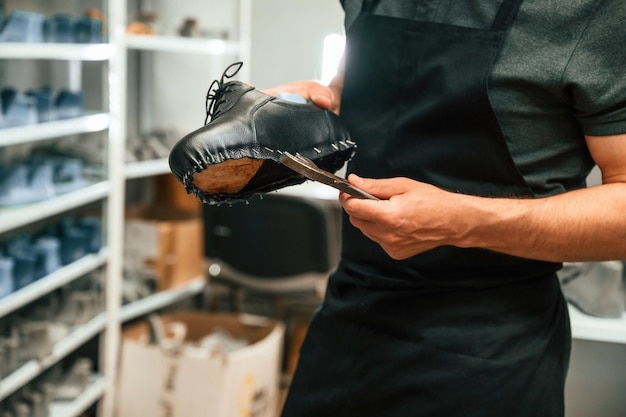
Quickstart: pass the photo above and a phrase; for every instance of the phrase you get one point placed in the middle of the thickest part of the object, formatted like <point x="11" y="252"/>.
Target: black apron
<point x="450" y="332"/>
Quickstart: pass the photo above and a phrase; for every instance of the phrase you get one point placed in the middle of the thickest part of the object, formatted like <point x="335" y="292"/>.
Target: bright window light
<point x="333" y="50"/>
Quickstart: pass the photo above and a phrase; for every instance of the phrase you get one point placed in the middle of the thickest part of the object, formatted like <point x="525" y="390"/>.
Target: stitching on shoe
<point x="214" y="199"/>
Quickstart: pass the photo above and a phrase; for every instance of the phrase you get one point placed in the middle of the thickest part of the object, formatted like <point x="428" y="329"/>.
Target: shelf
<point x="14" y="217"/>
<point x="162" y="299"/>
<point x="94" y="391"/>
<point x="33" y="368"/>
<point x="48" y="130"/>
<point x="56" y="51"/>
<point x="147" y="168"/>
<point x="586" y="327"/>
<point x="51" y="282"/>
<point x="177" y="44"/>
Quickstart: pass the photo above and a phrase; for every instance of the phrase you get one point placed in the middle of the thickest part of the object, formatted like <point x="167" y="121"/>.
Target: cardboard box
<point x="172" y="194"/>
<point x="163" y="243"/>
<point x="185" y="382"/>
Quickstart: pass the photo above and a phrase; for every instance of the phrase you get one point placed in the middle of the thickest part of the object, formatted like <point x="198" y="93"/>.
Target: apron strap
<point x="506" y="14"/>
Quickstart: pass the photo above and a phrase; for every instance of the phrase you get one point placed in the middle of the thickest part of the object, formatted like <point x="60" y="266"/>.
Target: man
<point x="477" y="123"/>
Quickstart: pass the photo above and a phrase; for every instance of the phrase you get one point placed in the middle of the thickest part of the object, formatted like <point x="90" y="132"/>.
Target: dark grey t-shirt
<point x="561" y="74"/>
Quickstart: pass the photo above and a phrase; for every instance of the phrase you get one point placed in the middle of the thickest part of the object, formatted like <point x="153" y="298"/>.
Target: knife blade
<point x="307" y="168"/>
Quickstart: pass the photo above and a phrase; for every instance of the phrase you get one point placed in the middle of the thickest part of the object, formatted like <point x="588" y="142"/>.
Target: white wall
<point x="287" y="38"/>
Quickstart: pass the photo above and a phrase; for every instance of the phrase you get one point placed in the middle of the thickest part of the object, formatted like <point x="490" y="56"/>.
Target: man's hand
<point x="412" y="217"/>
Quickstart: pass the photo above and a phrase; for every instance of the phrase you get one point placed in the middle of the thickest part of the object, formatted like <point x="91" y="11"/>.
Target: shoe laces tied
<point x="217" y="90"/>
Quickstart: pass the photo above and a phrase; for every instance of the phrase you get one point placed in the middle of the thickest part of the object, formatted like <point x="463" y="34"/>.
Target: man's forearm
<point x="582" y="225"/>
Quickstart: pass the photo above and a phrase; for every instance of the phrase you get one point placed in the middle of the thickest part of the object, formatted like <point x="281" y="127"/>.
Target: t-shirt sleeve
<point x="595" y="77"/>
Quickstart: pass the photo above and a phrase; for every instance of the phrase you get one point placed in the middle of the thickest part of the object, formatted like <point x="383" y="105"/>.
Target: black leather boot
<point x="235" y="155"/>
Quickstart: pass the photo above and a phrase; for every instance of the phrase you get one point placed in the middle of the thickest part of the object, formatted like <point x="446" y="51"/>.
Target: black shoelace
<point x="217" y="89"/>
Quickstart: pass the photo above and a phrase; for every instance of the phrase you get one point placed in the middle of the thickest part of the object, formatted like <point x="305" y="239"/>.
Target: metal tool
<point x="307" y="168"/>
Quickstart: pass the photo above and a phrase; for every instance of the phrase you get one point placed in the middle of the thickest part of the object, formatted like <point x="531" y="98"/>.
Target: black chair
<point x="277" y="246"/>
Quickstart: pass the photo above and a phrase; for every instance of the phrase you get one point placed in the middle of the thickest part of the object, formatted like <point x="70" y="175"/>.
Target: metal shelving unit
<point x="12" y="218"/>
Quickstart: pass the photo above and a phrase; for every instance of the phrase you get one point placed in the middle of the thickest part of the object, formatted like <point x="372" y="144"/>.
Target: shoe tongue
<point x="231" y="92"/>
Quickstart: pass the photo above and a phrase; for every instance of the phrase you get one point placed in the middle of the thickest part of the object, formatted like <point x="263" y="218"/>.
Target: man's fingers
<point x="381" y="188"/>
<point x="317" y="93"/>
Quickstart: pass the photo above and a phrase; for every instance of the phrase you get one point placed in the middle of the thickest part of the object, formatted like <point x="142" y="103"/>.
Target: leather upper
<point x="250" y="123"/>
